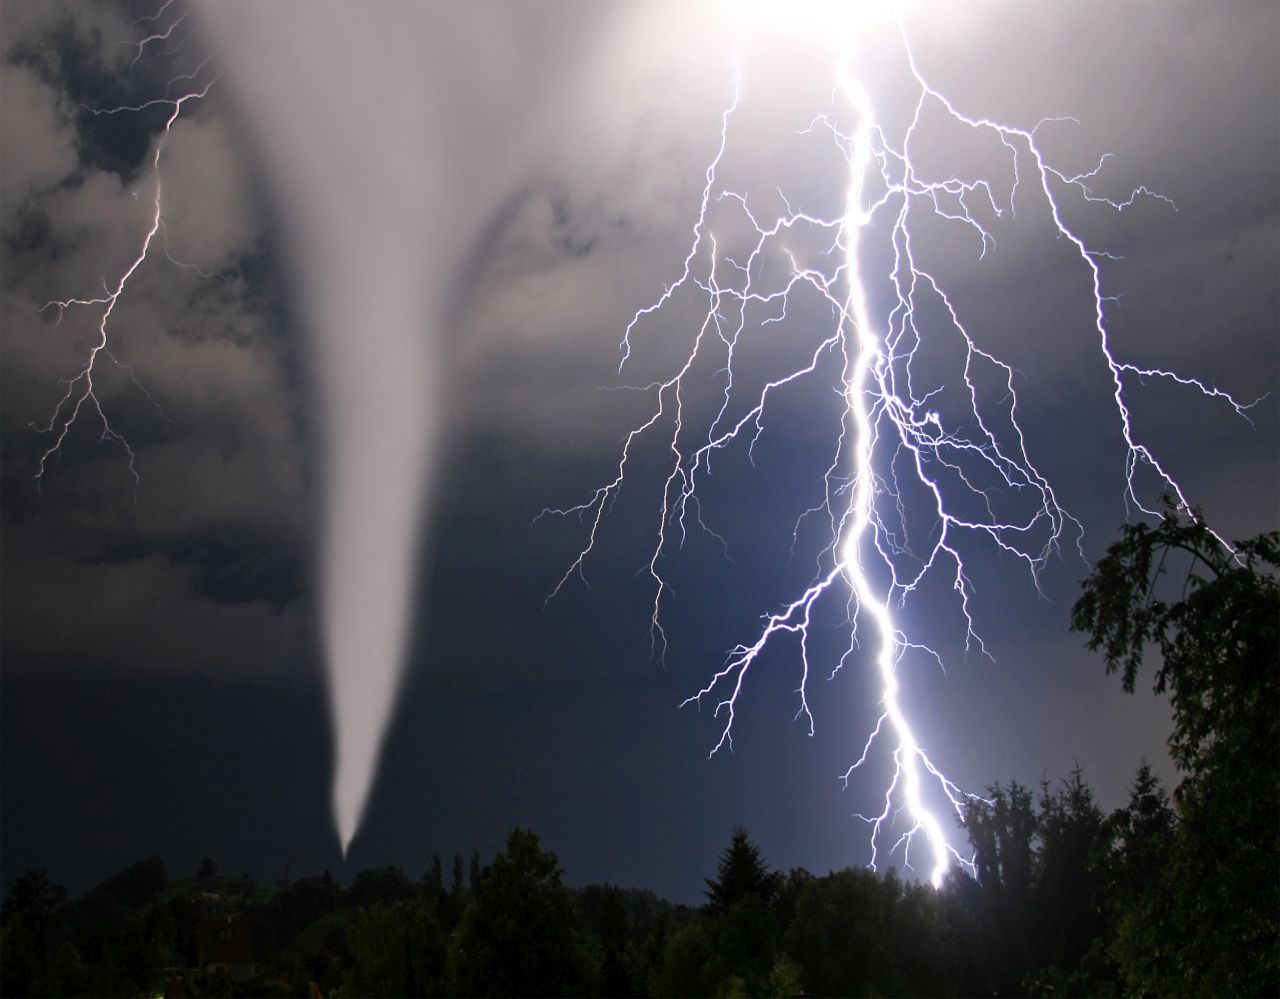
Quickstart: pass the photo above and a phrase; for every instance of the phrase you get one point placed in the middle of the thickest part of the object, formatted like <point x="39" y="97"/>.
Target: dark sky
<point x="163" y="687"/>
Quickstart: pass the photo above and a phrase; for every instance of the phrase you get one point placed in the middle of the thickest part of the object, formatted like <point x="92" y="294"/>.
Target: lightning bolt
<point x="904" y="472"/>
<point x="80" y="395"/>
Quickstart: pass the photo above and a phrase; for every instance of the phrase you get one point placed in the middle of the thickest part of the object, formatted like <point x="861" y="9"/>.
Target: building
<point x="225" y="947"/>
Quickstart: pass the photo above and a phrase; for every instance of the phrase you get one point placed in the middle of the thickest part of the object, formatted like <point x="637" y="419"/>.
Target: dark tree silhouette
<point x="613" y="941"/>
<point x="31" y="894"/>
<point x="384" y="884"/>
<point x="520" y="934"/>
<point x="1067" y="883"/>
<point x="207" y="873"/>
<point x="396" y="950"/>
<point x="433" y="880"/>
<point x="459" y="882"/>
<point x="1002" y="831"/>
<point x="1210" y="918"/>
<point x="742" y="873"/>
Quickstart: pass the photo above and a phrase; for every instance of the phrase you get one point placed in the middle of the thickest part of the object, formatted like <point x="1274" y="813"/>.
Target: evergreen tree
<point x="741" y="874"/>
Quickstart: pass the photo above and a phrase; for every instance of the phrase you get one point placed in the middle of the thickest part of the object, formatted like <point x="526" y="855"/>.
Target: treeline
<point x="1172" y="894"/>
<point x="1060" y="905"/>
<point x="510" y="927"/>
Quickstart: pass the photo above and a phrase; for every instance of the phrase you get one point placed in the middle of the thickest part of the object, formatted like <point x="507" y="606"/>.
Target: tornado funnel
<point x="390" y="133"/>
<point x="348" y="126"/>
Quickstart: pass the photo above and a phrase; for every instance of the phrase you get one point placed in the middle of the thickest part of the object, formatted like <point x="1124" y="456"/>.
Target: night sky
<point x="163" y="684"/>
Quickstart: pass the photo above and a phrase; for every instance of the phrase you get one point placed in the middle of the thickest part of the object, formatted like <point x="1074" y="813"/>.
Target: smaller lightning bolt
<point x="80" y="394"/>
<point x="140" y="47"/>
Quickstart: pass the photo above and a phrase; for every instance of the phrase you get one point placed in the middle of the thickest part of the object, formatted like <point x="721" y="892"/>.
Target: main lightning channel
<point x="908" y="757"/>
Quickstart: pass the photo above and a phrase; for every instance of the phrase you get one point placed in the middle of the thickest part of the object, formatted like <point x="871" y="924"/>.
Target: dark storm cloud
<point x="94" y="580"/>
<point x="152" y="615"/>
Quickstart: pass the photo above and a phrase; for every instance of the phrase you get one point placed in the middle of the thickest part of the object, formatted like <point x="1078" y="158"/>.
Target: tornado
<point x="344" y="124"/>
<point x="389" y="134"/>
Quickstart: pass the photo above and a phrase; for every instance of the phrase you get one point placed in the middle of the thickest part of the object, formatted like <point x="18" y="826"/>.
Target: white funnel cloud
<point x="390" y="132"/>
<point x="347" y="141"/>
<point x="378" y="394"/>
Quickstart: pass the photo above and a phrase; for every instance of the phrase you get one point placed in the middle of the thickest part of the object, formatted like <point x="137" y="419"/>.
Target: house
<point x="224" y="946"/>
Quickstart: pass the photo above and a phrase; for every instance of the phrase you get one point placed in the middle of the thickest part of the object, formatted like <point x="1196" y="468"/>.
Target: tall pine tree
<point x="741" y="873"/>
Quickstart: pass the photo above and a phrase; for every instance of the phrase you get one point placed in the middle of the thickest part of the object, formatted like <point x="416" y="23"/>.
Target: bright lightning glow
<point x="908" y="755"/>
<point x="898" y="450"/>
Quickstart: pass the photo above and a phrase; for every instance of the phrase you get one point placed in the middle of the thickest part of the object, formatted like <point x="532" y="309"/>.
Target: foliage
<point x="207" y="872"/>
<point x="629" y="929"/>
<point x="32" y="895"/>
<point x="137" y="884"/>
<point x="395" y="950"/>
<point x="385" y="885"/>
<point x="519" y="935"/>
<point x="1037" y="889"/>
<point x="1217" y="642"/>
<point x="1067" y="883"/>
<point x="1200" y="883"/>
<point x="849" y="931"/>
<point x="742" y="873"/>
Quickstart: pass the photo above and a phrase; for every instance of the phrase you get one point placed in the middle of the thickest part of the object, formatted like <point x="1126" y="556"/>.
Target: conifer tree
<point x="741" y="873"/>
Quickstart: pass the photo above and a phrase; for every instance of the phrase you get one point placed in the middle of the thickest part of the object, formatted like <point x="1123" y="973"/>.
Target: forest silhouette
<point x="1177" y="892"/>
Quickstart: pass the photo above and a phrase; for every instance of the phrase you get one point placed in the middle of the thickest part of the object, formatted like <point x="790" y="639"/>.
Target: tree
<point x="138" y="884"/>
<point x="207" y="872"/>
<point x="519" y="936"/>
<point x="384" y="884"/>
<point x="690" y="963"/>
<point x="31" y="935"/>
<point x="1140" y="841"/>
<point x="733" y="948"/>
<point x="1217" y="642"/>
<point x="395" y="950"/>
<point x="1037" y="898"/>
<point x="32" y="894"/>
<point x="1002" y="831"/>
<point x="433" y="880"/>
<point x="856" y="932"/>
<point x="741" y="873"/>
<point x="613" y="941"/>
<point x="1139" y="837"/>
<point x="1214" y="908"/>
<point x="455" y="890"/>
<point x="1065" y="893"/>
